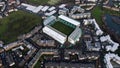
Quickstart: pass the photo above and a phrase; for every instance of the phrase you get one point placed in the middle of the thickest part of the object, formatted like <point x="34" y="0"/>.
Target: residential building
<point x="81" y="15"/>
<point x="63" y="11"/>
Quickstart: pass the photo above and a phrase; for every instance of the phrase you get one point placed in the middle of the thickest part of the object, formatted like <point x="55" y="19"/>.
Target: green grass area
<point x="53" y="2"/>
<point x="17" y="23"/>
<point x="24" y="52"/>
<point x="98" y="12"/>
<point x="63" y="28"/>
<point x="118" y="51"/>
<point x="38" y="64"/>
<point x="43" y="2"/>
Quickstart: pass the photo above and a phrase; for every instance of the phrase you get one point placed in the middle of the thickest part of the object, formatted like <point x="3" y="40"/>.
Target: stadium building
<point x="75" y="35"/>
<point x="68" y="21"/>
<point x="49" y="20"/>
<point x="57" y="35"/>
<point x="62" y="29"/>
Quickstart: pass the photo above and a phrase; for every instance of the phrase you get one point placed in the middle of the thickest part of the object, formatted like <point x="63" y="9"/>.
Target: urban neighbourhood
<point x="59" y="33"/>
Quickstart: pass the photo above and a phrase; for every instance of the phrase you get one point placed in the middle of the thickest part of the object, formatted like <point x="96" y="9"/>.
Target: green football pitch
<point x="63" y="28"/>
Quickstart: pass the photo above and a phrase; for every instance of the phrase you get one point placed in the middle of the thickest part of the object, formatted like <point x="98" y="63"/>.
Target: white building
<point x="81" y="15"/>
<point x="28" y="7"/>
<point x="36" y="10"/>
<point x="62" y="6"/>
<point x="81" y="9"/>
<point x="75" y="35"/>
<point x="113" y="46"/>
<point x="110" y="56"/>
<point x="92" y="0"/>
<point x="55" y="34"/>
<point x="45" y="8"/>
<point x="51" y="9"/>
<point x="74" y="9"/>
<point x="63" y="11"/>
<point x="51" y="13"/>
<point x="93" y="21"/>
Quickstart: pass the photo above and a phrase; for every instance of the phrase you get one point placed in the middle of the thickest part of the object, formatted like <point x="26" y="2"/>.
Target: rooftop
<point x="74" y="22"/>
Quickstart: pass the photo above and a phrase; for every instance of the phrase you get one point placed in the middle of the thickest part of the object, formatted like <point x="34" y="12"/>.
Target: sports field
<point x="63" y="28"/>
<point x="17" y="23"/>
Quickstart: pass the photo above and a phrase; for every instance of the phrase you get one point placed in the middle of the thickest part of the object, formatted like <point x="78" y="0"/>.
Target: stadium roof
<point x="74" y="22"/>
<point x="57" y="35"/>
<point x="76" y="34"/>
<point x="49" y="20"/>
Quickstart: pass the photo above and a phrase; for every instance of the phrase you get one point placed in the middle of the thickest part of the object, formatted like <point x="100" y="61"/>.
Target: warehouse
<point x="55" y="34"/>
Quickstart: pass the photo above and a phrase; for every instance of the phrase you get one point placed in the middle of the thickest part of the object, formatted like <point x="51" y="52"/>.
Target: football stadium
<point x="60" y="26"/>
<point x="62" y="29"/>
